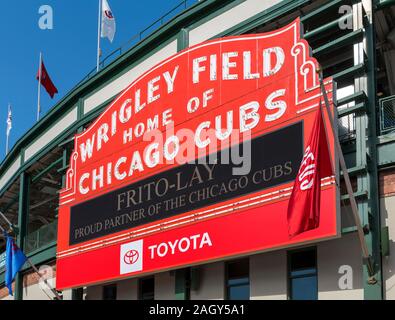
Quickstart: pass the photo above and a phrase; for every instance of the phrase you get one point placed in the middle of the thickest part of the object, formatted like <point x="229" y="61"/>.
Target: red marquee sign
<point x="194" y="162"/>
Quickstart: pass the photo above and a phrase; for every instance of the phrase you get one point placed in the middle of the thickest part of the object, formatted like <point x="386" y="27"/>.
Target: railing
<point x="41" y="237"/>
<point x="140" y="36"/>
<point x="346" y="124"/>
<point x="2" y="261"/>
<point x="36" y="240"/>
<point x="387" y="114"/>
<point x="346" y="127"/>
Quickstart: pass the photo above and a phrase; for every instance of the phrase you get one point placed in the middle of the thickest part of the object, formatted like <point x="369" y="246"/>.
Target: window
<point x="183" y="284"/>
<point x="110" y="292"/>
<point x="188" y="284"/>
<point x="147" y="288"/>
<point x="303" y="275"/>
<point x="238" y="280"/>
<point x="77" y="294"/>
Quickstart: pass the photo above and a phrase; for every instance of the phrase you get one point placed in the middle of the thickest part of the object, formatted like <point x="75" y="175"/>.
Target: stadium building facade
<point x="354" y="41"/>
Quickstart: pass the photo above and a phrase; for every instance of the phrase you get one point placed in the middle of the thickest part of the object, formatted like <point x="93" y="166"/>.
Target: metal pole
<point x="39" y="88"/>
<point x="98" y="37"/>
<point x="353" y="203"/>
<point x="6" y="220"/>
<point x="7" y="133"/>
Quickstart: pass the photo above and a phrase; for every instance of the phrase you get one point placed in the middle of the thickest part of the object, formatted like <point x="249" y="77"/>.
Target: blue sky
<point x="69" y="50"/>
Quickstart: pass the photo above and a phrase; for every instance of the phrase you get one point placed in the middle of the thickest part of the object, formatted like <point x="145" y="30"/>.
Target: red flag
<point x="46" y="80"/>
<point x="304" y="205"/>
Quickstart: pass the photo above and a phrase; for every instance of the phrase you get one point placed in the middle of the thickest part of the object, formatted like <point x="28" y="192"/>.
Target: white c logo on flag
<point x="307" y="170"/>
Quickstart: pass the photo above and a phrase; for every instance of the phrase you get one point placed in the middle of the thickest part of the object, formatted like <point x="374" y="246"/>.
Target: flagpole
<point x="353" y="203"/>
<point x="98" y="37"/>
<point x="39" y="88"/>
<point x="6" y="220"/>
<point x="8" y="131"/>
<point x="30" y="262"/>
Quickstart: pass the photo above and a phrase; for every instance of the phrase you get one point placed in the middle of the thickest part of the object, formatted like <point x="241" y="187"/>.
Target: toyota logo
<point x="131" y="256"/>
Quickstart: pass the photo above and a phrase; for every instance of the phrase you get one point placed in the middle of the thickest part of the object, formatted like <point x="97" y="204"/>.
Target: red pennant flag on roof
<point x="46" y="81"/>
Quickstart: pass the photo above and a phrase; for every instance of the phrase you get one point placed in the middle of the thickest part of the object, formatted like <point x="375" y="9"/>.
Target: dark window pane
<point x="303" y="272"/>
<point x="238" y="269"/>
<point x="188" y="284"/>
<point x="147" y="288"/>
<point x="304" y="288"/>
<point x="239" y="292"/>
<point x="110" y="292"/>
<point x="238" y="280"/>
<point x="303" y="260"/>
<point x="303" y="275"/>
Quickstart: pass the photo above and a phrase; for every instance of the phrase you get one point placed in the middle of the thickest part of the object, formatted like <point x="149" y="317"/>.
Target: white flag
<point x="9" y="120"/>
<point x="107" y="21"/>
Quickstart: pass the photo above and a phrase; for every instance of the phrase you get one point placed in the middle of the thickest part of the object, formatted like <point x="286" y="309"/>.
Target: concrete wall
<point x="127" y="289"/>
<point x="268" y="276"/>
<point x="33" y="289"/>
<point x="228" y="19"/>
<point x="331" y="256"/>
<point x="165" y="286"/>
<point x="51" y="134"/>
<point x="94" y="293"/>
<point x="67" y="294"/>
<point x="212" y="286"/>
<point x="38" y="292"/>
<point x="122" y="82"/>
